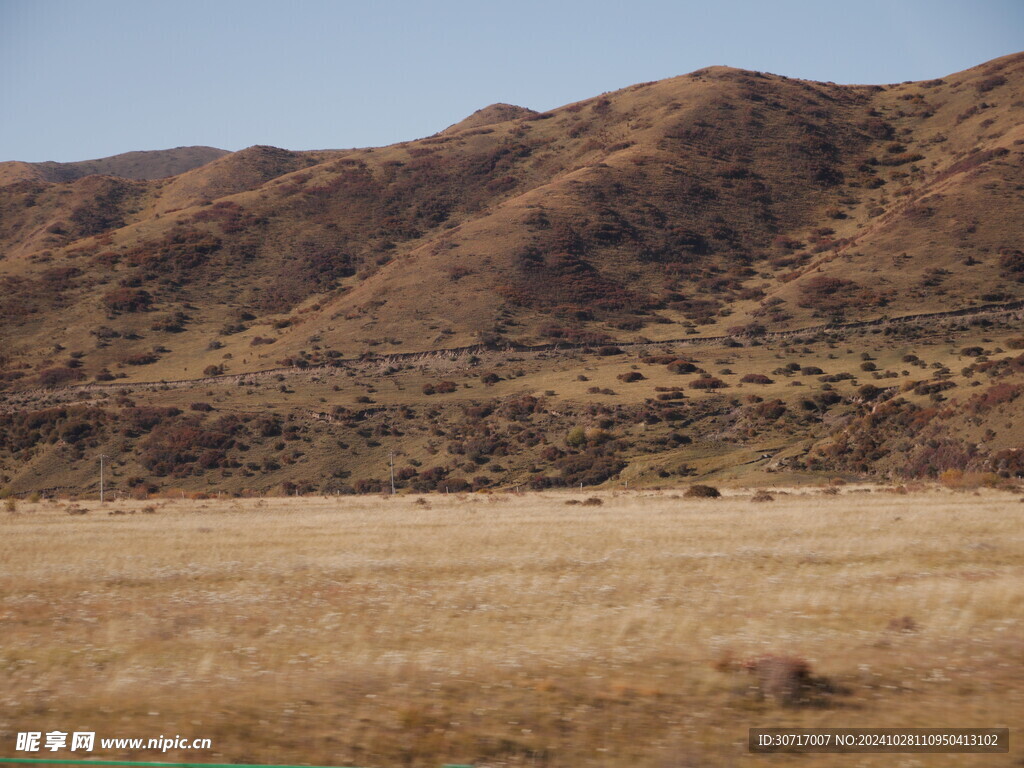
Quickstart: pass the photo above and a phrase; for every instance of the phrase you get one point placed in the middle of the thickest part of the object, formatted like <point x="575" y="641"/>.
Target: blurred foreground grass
<point x="512" y="630"/>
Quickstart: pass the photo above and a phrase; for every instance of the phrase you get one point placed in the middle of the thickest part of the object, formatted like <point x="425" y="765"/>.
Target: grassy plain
<point x="503" y="629"/>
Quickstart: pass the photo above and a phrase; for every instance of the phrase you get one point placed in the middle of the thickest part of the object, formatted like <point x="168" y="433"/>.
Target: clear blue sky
<point x="82" y="79"/>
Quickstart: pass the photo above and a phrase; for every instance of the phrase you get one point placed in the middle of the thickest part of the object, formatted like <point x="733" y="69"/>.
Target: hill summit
<point x="489" y="115"/>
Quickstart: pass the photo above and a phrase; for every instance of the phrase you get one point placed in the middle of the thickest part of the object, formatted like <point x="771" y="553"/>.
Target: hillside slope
<point x="729" y="205"/>
<point x="716" y="200"/>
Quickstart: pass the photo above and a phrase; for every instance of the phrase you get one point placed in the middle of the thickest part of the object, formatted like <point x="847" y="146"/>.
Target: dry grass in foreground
<point x="504" y="630"/>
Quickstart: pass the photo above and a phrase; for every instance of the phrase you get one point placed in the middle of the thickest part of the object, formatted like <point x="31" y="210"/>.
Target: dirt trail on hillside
<point x="21" y="399"/>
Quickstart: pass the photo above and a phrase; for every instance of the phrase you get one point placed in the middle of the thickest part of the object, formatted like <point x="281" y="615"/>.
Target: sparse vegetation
<point x="773" y="244"/>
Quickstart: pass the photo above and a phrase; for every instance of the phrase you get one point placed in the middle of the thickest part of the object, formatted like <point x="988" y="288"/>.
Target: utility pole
<point x="102" y="457"/>
<point x="392" y="473"/>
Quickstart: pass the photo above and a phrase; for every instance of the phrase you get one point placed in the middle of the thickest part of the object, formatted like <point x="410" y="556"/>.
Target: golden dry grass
<point x="510" y="630"/>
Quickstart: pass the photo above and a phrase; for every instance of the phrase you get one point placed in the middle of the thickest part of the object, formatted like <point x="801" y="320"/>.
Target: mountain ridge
<point x="139" y="165"/>
<point x="549" y="195"/>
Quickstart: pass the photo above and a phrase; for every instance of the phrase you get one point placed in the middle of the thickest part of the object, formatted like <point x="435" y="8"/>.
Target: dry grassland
<point x="511" y="630"/>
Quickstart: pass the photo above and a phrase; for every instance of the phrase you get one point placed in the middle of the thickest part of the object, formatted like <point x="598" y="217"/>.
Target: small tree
<point x="576" y="437"/>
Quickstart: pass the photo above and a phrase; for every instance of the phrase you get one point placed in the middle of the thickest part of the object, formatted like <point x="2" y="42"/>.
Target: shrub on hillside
<point x="144" y="418"/>
<point x="769" y="410"/>
<point x="986" y="85"/>
<point x="440" y="388"/>
<point x="590" y="468"/>
<point x="519" y="408"/>
<point x="702" y="492"/>
<point x="56" y="377"/>
<point x="576" y="437"/>
<point x="127" y="300"/>
<point x="830" y="294"/>
<point x="749" y="329"/>
<point x="368" y="485"/>
<point x="868" y="392"/>
<point x="456" y="485"/>
<point x="176" y="448"/>
<point x="1009" y="462"/>
<point x="173" y="323"/>
<point x="708" y="382"/>
<point x="681" y="366"/>
<point x="143" y="358"/>
<point x="1011" y="262"/>
<point x="630" y="376"/>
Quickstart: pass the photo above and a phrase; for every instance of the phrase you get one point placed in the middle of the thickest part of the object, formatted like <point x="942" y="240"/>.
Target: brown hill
<point x="156" y="164"/>
<point x="719" y="199"/>
<point x="724" y="202"/>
